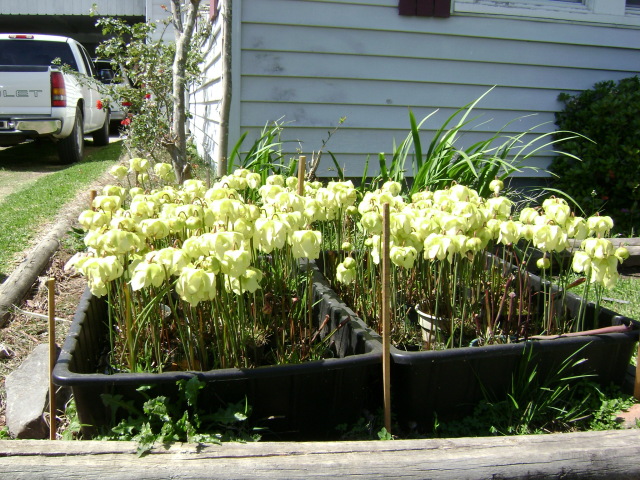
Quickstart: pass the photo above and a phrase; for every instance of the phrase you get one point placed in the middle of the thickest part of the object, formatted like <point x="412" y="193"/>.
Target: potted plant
<point x="462" y="260"/>
<point x="214" y="282"/>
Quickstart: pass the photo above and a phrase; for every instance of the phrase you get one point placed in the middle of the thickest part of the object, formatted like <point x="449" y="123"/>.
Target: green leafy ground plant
<point x="543" y="402"/>
<point x="164" y="422"/>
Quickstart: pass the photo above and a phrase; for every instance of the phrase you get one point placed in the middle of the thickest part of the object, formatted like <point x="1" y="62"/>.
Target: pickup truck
<point x="40" y="99"/>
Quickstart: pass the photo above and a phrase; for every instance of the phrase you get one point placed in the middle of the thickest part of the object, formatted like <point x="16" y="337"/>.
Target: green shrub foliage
<point x="605" y="176"/>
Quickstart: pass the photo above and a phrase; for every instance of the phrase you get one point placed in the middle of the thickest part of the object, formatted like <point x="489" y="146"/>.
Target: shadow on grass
<point x="40" y="156"/>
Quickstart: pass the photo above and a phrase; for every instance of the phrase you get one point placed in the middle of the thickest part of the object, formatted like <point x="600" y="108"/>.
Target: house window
<point x="612" y="12"/>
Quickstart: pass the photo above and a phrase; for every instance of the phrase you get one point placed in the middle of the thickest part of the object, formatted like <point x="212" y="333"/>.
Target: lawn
<point x="24" y="212"/>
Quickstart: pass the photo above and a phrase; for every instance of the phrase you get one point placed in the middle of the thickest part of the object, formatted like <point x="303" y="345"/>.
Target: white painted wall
<point x="314" y="61"/>
<point x="206" y="99"/>
<point x="159" y="11"/>
<point x="71" y="7"/>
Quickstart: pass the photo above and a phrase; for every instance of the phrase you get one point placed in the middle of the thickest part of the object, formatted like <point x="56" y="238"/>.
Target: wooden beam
<point x="608" y="455"/>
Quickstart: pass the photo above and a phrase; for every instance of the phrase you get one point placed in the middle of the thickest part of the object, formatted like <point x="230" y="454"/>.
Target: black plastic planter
<point x="449" y="383"/>
<point x="445" y="384"/>
<point x="302" y="401"/>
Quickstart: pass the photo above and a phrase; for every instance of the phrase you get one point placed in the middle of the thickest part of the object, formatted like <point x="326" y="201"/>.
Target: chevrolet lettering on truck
<point x="39" y="99"/>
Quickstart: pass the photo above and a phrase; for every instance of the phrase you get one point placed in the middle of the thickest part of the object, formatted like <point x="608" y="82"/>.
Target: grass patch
<point x="623" y="298"/>
<point x="627" y="289"/>
<point x="24" y="212"/>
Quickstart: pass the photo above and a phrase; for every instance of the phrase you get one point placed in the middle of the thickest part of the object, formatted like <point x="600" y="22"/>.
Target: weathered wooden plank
<point x="632" y="244"/>
<point x="26" y="274"/>
<point x="592" y="455"/>
<point x="628" y="242"/>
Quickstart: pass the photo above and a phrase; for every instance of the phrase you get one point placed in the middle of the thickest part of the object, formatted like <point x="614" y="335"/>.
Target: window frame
<point x="611" y="12"/>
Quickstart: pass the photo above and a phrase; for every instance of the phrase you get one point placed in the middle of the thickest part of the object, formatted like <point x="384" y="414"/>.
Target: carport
<point x="72" y="18"/>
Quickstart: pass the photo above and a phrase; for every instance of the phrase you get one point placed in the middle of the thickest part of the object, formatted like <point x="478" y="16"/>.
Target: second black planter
<point x="445" y="384"/>
<point x="431" y="385"/>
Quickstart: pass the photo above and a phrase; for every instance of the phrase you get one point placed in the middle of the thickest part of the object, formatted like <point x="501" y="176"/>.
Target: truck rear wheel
<point x="71" y="149"/>
<point x="101" y="137"/>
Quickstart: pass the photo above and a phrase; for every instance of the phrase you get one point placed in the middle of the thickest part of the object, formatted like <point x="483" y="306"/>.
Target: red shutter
<point x="407" y="7"/>
<point x="425" y="8"/>
<point x="442" y="8"/>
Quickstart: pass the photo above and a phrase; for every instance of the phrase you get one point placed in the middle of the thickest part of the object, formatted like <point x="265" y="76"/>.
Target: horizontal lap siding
<point x="312" y="62"/>
<point x="205" y="99"/>
<point x="72" y="7"/>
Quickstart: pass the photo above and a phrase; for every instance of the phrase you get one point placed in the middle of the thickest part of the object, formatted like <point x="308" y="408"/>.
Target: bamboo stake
<point x="52" y="358"/>
<point x="92" y="197"/>
<point x="302" y="167"/>
<point x="386" y="322"/>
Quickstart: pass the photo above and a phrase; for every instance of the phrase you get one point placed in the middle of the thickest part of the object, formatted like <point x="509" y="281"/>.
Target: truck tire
<point x="101" y="137"/>
<point x="71" y="148"/>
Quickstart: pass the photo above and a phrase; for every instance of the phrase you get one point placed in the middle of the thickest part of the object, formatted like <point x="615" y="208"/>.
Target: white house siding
<point x="311" y="62"/>
<point x="205" y="99"/>
<point x="159" y="11"/>
<point x="72" y="7"/>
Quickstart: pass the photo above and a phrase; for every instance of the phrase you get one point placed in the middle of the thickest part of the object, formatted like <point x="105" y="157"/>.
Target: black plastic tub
<point x="427" y="386"/>
<point x="293" y="402"/>
<point x="445" y="384"/>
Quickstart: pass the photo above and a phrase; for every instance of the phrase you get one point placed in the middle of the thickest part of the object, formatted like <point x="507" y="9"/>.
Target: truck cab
<point x="49" y="89"/>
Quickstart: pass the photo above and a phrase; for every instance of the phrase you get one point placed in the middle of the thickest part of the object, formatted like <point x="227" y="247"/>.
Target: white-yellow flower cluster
<point x="457" y="223"/>
<point x="202" y="238"/>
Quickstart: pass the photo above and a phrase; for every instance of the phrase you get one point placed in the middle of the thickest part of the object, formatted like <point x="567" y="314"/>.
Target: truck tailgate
<point x="25" y="90"/>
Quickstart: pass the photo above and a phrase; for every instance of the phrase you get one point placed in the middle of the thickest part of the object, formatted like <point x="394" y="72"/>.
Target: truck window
<point x="88" y="64"/>
<point x="35" y="52"/>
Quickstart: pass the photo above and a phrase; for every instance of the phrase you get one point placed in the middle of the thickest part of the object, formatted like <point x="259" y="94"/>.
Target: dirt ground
<point x="24" y="332"/>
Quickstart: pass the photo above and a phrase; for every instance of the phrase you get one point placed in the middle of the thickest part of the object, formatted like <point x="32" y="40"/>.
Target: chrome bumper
<point x="39" y="127"/>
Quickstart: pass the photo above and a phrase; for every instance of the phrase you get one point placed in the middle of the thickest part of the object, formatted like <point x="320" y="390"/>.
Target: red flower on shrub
<point x="99" y="105"/>
<point x="126" y="121"/>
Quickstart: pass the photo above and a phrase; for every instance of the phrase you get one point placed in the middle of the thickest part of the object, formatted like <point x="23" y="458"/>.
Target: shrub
<point x="603" y="177"/>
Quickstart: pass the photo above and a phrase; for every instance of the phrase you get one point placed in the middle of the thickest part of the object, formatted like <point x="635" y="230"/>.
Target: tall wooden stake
<point x="302" y="168"/>
<point x="52" y="358"/>
<point x="386" y="321"/>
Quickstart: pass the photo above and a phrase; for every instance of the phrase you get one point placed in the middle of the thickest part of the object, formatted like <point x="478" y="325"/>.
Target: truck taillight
<point x="22" y="36"/>
<point x="58" y="90"/>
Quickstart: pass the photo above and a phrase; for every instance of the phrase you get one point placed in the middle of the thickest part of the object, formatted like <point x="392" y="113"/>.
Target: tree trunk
<point x="178" y="135"/>
<point x="223" y="137"/>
